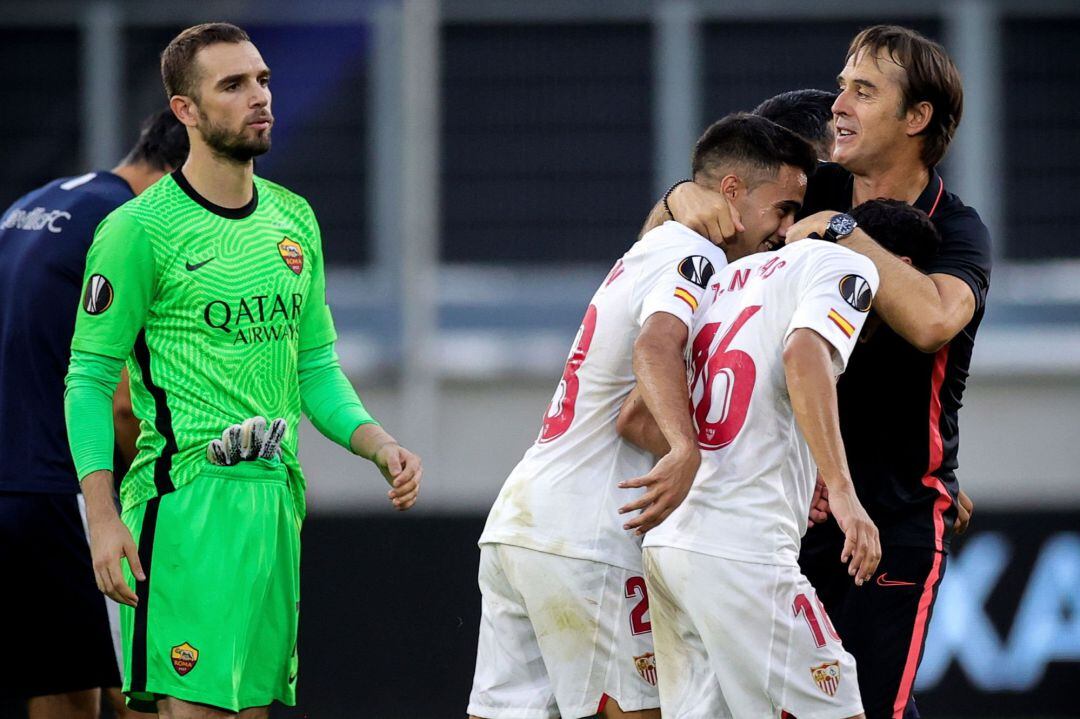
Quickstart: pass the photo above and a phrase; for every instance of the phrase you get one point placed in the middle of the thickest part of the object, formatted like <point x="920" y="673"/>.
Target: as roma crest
<point x="292" y="253"/>
<point x="646" y="667"/>
<point x="184" y="658"/>
<point x="827" y="676"/>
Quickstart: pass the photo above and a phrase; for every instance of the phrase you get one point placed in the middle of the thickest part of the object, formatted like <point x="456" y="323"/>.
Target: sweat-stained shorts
<point x="560" y="636"/>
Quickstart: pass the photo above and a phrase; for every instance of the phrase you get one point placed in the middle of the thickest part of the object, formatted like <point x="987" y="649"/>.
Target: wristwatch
<point x="839" y="227"/>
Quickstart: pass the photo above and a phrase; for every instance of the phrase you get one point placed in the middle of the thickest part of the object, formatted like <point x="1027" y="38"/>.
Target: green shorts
<point x="217" y="615"/>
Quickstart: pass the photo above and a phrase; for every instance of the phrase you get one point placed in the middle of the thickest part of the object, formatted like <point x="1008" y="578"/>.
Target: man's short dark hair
<point x="162" y="143"/>
<point x="899" y="228"/>
<point x="929" y="76"/>
<point x="178" y="69"/>
<point x="807" y="113"/>
<point x="752" y="147"/>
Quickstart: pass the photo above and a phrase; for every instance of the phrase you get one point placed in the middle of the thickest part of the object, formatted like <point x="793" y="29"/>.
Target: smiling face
<point x="870" y="120"/>
<point x="232" y="101"/>
<point x="767" y="210"/>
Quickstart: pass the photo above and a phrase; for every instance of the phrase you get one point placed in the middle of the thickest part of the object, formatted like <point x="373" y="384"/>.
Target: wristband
<point x="668" y="194"/>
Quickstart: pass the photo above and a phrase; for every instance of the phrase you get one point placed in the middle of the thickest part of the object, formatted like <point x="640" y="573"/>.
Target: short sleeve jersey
<point x="562" y="497"/>
<point x="905" y="469"/>
<point x="751" y="496"/>
<point x="210" y="307"/>
<point x="44" y="237"/>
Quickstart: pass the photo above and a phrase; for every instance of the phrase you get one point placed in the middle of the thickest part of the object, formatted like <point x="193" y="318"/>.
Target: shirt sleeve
<point x="316" y="322"/>
<point x="676" y="275"/>
<point x="118" y="286"/>
<point x="965" y="253"/>
<point x="835" y="295"/>
<point x="88" y="403"/>
<point x="327" y="397"/>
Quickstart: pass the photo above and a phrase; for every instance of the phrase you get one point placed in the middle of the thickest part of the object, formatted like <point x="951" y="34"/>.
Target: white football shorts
<point x="744" y="640"/>
<point x="558" y="636"/>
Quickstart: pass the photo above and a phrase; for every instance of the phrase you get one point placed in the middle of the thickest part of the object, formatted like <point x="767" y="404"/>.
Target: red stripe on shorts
<point x="941" y="505"/>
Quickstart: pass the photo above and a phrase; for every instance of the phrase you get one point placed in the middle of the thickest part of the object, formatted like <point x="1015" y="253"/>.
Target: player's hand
<point x="708" y="213"/>
<point x="667" y="486"/>
<point x="809" y="227"/>
<point x="403" y="470"/>
<point x="819" y="504"/>
<point x="964" y="509"/>
<point x="862" y="547"/>
<point x="110" y="541"/>
<point x="250" y="440"/>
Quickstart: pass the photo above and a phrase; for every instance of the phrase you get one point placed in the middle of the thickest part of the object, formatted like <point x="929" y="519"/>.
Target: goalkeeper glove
<point x="247" y="441"/>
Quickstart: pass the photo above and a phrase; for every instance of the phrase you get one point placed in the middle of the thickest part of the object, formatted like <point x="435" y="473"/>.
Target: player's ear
<point x="918" y="117"/>
<point x="184" y="109"/>
<point x="729" y="186"/>
<point x="906" y="260"/>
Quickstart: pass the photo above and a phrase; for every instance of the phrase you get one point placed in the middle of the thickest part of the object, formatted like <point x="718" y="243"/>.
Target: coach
<point x="899" y="105"/>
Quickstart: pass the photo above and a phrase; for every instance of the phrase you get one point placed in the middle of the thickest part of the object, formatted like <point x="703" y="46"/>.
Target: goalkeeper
<point x="211" y="286"/>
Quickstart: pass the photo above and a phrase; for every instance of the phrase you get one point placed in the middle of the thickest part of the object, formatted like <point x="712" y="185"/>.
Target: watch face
<point x="842" y="225"/>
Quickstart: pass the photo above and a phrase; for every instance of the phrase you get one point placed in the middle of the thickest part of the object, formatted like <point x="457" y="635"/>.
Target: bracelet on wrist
<point x="667" y="210"/>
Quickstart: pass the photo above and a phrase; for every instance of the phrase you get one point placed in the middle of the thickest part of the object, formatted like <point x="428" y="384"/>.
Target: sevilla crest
<point x="646" y="667"/>
<point x="827" y="676"/>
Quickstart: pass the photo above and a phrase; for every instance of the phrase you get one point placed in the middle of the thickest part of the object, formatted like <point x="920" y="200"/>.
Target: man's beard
<point x="232" y="146"/>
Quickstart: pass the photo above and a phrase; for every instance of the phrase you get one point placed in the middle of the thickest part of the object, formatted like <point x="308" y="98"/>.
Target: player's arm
<point x="117" y="289"/>
<point x="808" y="367"/>
<point x="926" y="310"/>
<point x="708" y="213"/>
<point x="823" y="331"/>
<point x="636" y="425"/>
<point x="660" y="368"/>
<point x="668" y="295"/>
<point x="331" y="403"/>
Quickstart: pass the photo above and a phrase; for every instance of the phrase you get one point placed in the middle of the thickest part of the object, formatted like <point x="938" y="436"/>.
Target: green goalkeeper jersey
<point x="210" y="306"/>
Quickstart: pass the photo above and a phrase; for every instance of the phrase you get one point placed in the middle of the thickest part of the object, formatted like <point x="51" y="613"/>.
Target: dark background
<point x="392" y="603"/>
<point x="547" y="128"/>
<point x="390" y="612"/>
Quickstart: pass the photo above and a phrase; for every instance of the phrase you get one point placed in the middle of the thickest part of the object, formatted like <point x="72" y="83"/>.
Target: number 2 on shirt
<point x="734" y="369"/>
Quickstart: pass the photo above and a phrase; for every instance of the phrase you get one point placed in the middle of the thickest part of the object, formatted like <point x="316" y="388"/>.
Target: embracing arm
<point x="926" y="310"/>
<point x="706" y="212"/>
<point x="661" y="375"/>
<point x="636" y="425"/>
<point x="660" y="368"/>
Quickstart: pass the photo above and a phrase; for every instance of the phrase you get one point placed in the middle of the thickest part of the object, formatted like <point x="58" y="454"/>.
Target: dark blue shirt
<point x="899" y="407"/>
<point x="44" y="238"/>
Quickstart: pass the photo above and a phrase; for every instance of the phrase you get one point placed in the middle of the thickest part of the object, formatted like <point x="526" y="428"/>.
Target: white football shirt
<point x="751" y="496"/>
<point x="562" y="496"/>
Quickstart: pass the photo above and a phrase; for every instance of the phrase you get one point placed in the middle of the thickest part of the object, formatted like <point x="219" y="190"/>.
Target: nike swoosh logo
<point x="191" y="268"/>
<point x="292" y="679"/>
<point x="883" y="582"/>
